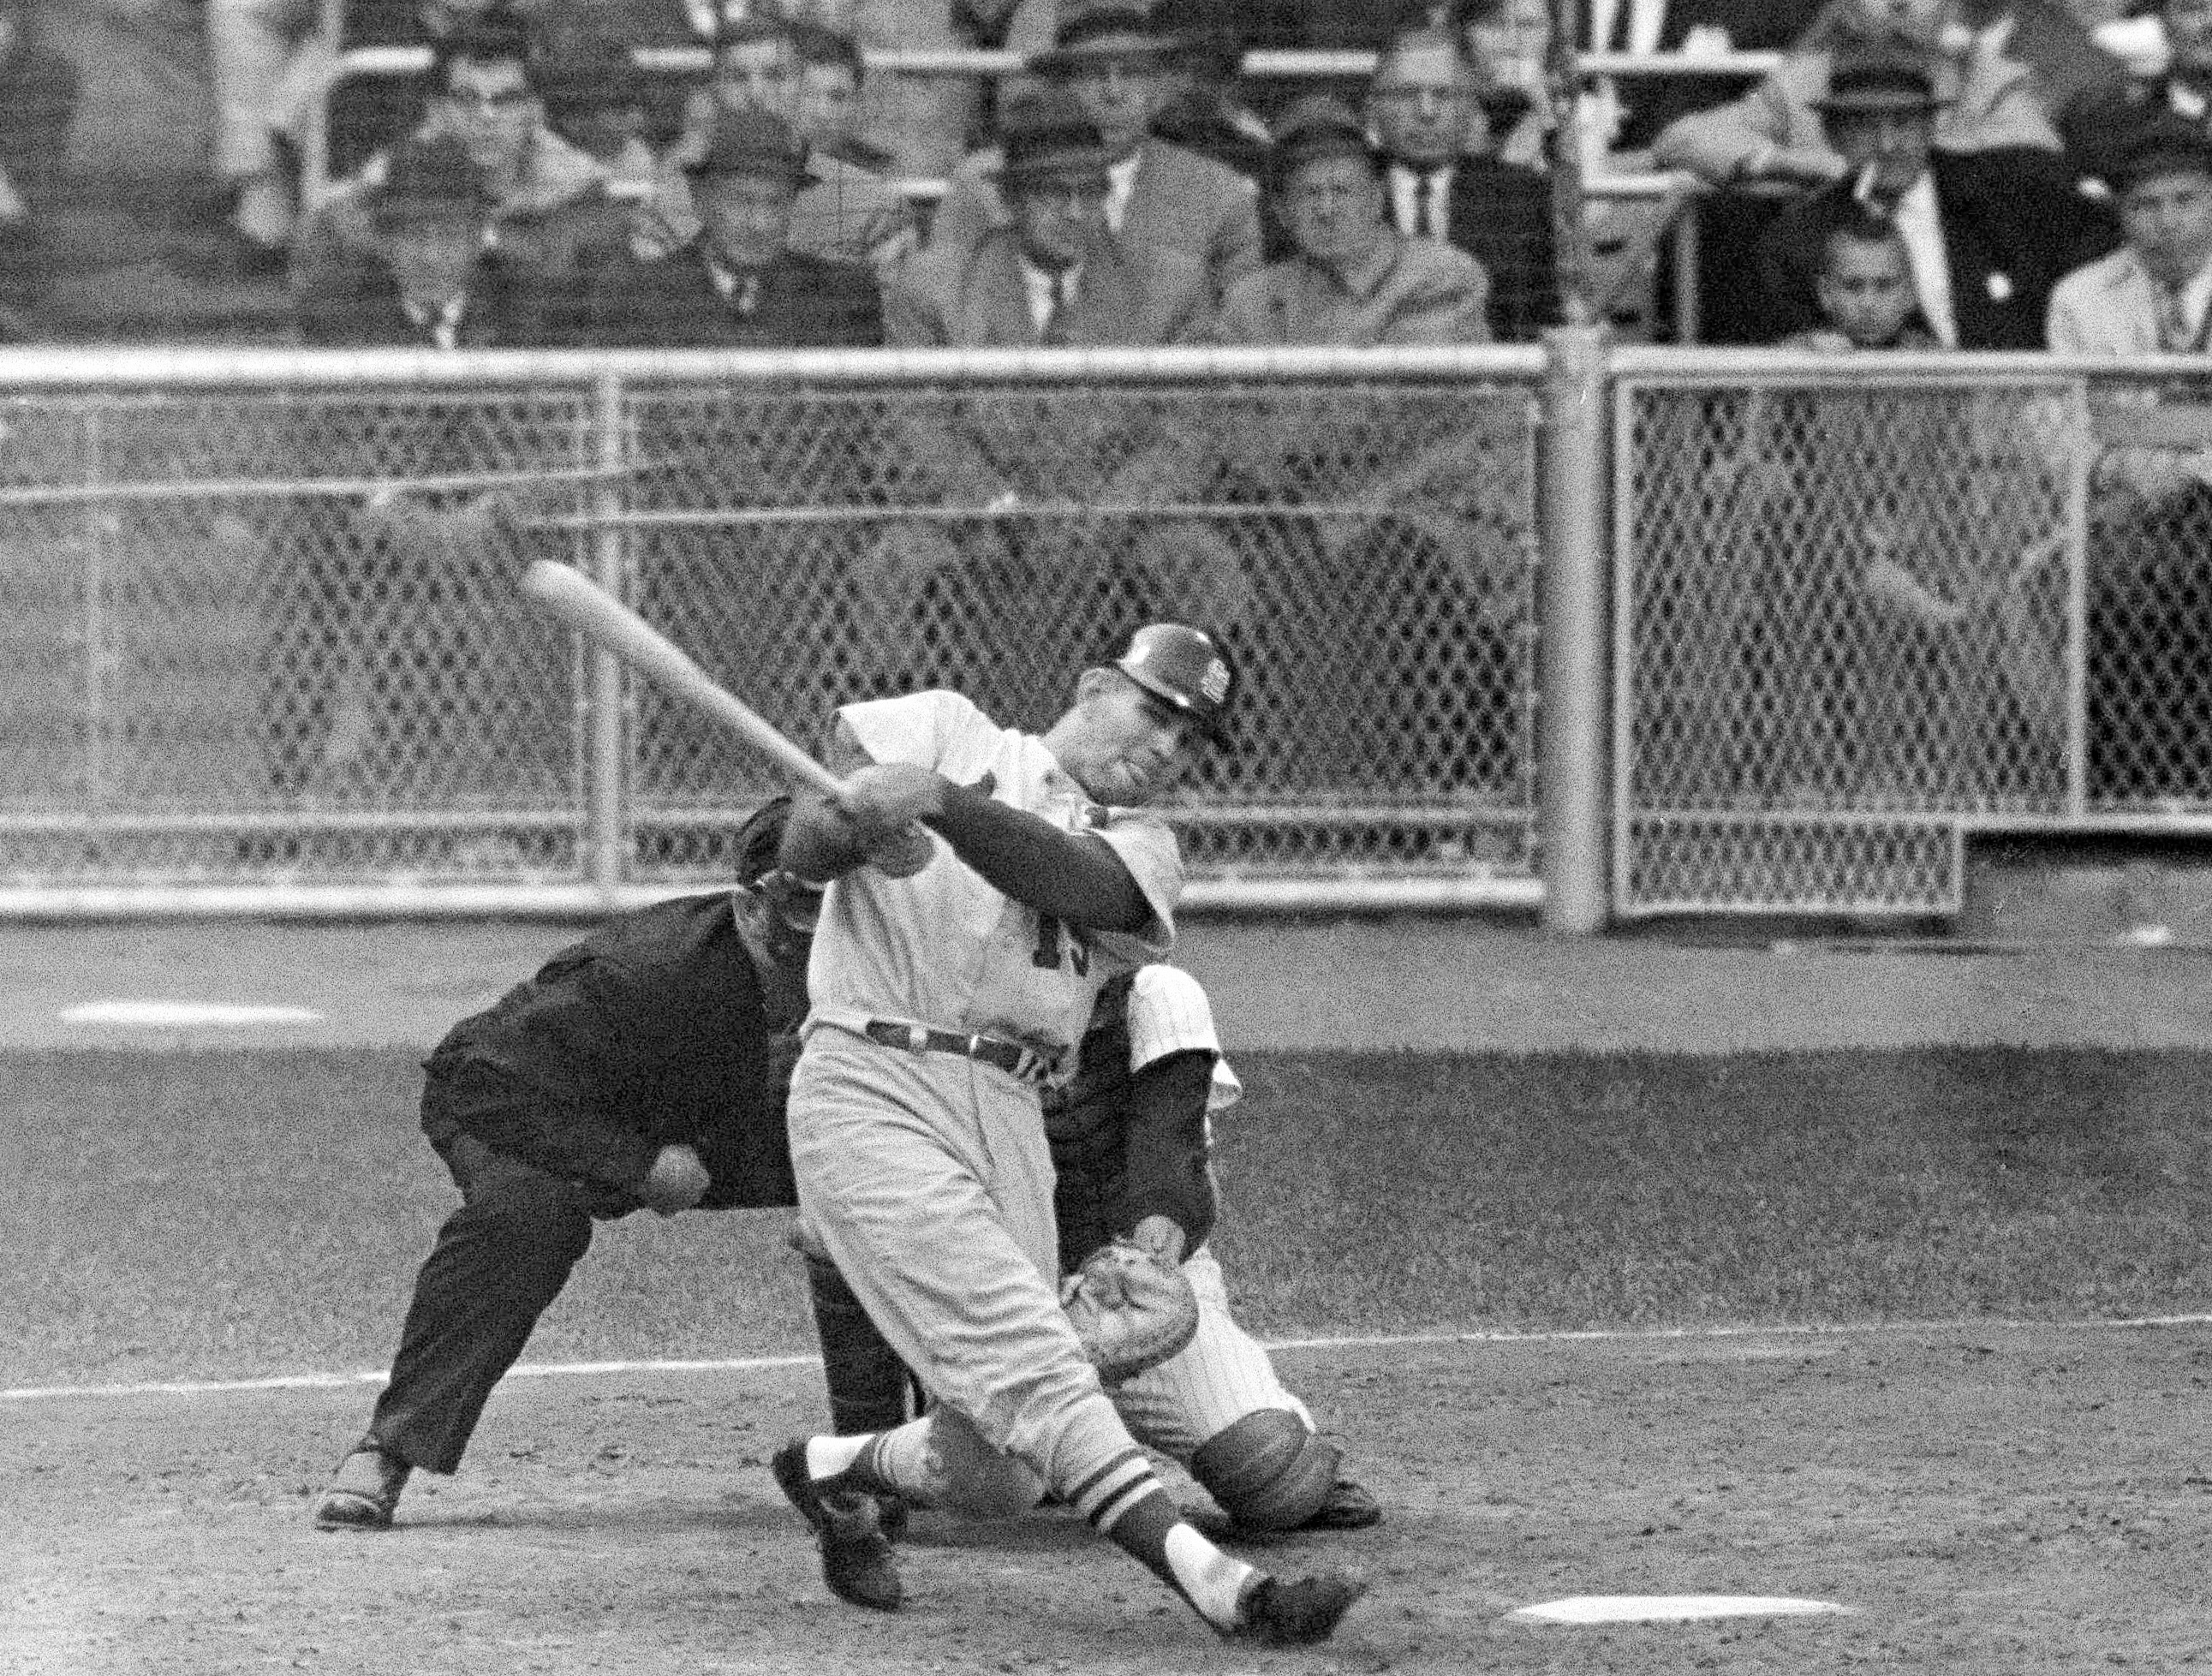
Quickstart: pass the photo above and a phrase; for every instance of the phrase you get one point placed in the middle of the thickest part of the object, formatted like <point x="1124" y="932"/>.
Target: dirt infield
<point x="1986" y="1501"/>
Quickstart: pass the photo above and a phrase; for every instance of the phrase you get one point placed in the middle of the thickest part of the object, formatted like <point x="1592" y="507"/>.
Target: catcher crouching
<point x="1132" y="1136"/>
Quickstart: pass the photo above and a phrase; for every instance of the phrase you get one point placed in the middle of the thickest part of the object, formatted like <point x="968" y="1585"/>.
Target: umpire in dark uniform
<point x="739" y="284"/>
<point x="638" y="1070"/>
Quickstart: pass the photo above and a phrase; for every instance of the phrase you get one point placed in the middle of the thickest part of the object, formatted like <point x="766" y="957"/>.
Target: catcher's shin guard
<point x="868" y="1383"/>
<point x="1267" y="1471"/>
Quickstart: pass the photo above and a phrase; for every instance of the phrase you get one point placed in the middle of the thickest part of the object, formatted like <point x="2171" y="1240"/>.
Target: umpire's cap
<point x="1188" y="668"/>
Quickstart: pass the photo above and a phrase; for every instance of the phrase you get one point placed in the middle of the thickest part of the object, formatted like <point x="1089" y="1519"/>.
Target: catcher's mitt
<point x="1131" y="1310"/>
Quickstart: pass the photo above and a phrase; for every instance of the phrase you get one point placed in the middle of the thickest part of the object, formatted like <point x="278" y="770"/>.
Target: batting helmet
<point x="1188" y="668"/>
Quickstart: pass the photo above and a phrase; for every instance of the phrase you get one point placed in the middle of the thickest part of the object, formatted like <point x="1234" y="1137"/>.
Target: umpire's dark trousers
<point x="499" y="1261"/>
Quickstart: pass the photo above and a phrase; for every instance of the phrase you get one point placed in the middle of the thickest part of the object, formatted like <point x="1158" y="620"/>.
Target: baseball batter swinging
<point x="1131" y="1140"/>
<point x="945" y="983"/>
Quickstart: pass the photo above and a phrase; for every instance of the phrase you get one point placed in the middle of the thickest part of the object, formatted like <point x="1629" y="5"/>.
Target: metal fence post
<point x="1571" y="741"/>
<point x="607" y="781"/>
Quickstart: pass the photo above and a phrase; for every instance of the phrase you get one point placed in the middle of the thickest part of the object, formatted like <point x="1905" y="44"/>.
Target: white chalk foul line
<point x="153" y="1015"/>
<point x="313" y="1382"/>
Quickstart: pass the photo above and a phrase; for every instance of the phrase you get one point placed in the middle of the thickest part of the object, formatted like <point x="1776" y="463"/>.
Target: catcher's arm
<point x="1167" y="1201"/>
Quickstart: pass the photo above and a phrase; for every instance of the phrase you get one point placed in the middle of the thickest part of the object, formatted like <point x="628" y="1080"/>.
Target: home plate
<point x="1669" y="1608"/>
<point x="186" y="1015"/>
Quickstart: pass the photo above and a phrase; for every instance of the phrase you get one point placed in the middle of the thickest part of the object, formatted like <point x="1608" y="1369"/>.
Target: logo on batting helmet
<point x="1186" y="667"/>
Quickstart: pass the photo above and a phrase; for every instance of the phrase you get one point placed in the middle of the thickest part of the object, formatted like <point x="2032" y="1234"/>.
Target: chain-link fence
<point x="1859" y="620"/>
<point x="269" y="631"/>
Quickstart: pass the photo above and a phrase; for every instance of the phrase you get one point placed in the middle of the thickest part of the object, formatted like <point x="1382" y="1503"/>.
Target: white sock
<point x="1213" y="1581"/>
<point x="826" y="1457"/>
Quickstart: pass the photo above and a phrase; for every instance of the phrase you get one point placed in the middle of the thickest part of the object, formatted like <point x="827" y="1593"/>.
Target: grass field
<point x="1985" y="1499"/>
<point x="228" y="1215"/>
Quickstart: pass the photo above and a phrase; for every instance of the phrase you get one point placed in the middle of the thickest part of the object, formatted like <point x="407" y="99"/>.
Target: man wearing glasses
<point x="1446" y="181"/>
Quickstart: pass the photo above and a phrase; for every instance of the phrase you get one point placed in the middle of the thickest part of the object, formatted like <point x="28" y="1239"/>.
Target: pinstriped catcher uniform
<point x="1132" y="1138"/>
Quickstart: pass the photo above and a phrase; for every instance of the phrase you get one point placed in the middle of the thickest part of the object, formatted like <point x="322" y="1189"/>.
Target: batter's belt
<point x="1031" y="1065"/>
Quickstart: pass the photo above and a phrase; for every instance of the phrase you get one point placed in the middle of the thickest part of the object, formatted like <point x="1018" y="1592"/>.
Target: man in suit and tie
<point x="1426" y="105"/>
<point x="1055" y="276"/>
<point x="1989" y="233"/>
<point x="740" y="284"/>
<point x="1114" y="62"/>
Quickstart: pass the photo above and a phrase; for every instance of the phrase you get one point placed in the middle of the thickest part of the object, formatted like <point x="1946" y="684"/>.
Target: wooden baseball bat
<point x="564" y="592"/>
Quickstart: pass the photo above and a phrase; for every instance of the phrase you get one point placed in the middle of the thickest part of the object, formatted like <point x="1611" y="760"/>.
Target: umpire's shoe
<point x="362" y="1495"/>
<point x="856" y="1555"/>
<point x="1296" y="1615"/>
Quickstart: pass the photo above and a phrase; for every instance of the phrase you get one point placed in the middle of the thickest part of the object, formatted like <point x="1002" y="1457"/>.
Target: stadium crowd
<point x="1930" y="175"/>
<point x="1993" y="136"/>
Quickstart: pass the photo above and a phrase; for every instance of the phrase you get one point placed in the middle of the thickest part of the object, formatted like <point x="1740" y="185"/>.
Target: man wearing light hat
<point x="1053" y="274"/>
<point x="1353" y="277"/>
<point x="1988" y="232"/>
<point x="740" y="284"/>
<point x="1113" y="61"/>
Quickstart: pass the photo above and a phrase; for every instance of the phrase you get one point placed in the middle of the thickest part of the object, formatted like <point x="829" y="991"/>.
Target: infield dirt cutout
<point x="1990" y="1501"/>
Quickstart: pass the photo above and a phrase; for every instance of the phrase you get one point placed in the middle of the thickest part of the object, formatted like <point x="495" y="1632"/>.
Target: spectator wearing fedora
<point x="428" y="271"/>
<point x="1352" y="279"/>
<point x="1113" y="60"/>
<point x="2150" y="606"/>
<point x="1775" y="135"/>
<point x="1053" y="275"/>
<point x="740" y="284"/>
<point x="849" y="214"/>
<point x="552" y="218"/>
<point x="1988" y="232"/>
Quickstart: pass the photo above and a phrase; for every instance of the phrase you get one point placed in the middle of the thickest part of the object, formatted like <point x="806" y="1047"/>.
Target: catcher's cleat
<point x="1296" y="1615"/>
<point x="856" y="1555"/>
<point x="1349" y="1508"/>
<point x="364" y="1492"/>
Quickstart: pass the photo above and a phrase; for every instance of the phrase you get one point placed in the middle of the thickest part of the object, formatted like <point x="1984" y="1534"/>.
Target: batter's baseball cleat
<point x="362" y="1495"/>
<point x="856" y="1555"/>
<point x="1296" y="1615"/>
<point x="1349" y="1508"/>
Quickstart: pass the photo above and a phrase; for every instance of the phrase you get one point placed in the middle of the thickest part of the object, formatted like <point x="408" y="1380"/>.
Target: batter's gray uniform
<point x="926" y="1174"/>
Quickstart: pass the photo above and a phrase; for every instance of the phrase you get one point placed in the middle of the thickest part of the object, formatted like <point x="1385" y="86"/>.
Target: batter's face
<point x="1122" y="744"/>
